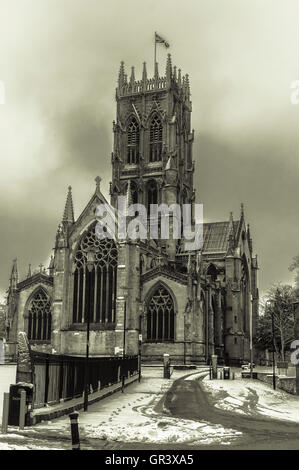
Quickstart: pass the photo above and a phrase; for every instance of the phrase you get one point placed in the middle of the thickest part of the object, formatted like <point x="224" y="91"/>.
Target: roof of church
<point x="36" y="278"/>
<point x="215" y="235"/>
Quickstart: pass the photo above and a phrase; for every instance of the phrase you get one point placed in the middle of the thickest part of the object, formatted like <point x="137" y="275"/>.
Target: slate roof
<point x="215" y="236"/>
<point x="35" y="279"/>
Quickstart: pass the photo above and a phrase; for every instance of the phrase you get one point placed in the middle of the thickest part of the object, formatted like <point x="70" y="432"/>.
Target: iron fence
<point x="60" y="377"/>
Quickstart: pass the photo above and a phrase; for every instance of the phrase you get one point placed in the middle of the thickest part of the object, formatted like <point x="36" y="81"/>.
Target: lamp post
<point x="270" y="303"/>
<point x="251" y="338"/>
<point x="90" y="266"/>
<point x="125" y="327"/>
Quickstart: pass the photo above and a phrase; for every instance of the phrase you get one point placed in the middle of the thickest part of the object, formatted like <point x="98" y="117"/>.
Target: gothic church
<point x="148" y="293"/>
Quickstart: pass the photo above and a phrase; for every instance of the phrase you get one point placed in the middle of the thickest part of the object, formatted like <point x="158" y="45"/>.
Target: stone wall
<point x="288" y="384"/>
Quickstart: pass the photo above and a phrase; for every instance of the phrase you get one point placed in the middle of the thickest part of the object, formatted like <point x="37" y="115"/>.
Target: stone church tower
<point x="189" y="304"/>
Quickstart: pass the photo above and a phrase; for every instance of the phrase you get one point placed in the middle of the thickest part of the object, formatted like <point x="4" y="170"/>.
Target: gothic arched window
<point x="212" y="272"/>
<point x="152" y="195"/>
<point x="133" y="142"/>
<point x="156" y="132"/>
<point x="160" y="316"/>
<point x="39" y="317"/>
<point x="134" y="192"/>
<point x="95" y="280"/>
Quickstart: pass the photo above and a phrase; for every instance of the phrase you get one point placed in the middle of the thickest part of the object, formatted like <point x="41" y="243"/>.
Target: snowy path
<point x="253" y="398"/>
<point x="133" y="417"/>
<point x="7" y="377"/>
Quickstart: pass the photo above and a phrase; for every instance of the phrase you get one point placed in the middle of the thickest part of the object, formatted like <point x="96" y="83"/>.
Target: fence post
<point x="75" y="430"/>
<point x="5" y="412"/>
<point x="22" y="409"/>
<point x="123" y="383"/>
<point x="46" y="381"/>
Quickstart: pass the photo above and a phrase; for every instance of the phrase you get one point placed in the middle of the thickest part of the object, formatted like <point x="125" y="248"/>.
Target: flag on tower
<point x="160" y="40"/>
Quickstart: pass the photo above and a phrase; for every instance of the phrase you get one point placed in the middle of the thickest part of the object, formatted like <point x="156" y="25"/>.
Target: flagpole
<point x="155" y="53"/>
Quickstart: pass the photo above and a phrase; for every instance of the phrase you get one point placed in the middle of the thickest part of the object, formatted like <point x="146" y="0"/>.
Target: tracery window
<point x="152" y="195"/>
<point x="160" y="316"/>
<point x="134" y="192"/>
<point x="156" y="132"/>
<point x="95" y="280"/>
<point x="39" y="317"/>
<point x="133" y="142"/>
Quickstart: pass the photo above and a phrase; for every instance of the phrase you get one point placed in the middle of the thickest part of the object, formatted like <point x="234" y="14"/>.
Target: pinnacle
<point x="68" y="215"/>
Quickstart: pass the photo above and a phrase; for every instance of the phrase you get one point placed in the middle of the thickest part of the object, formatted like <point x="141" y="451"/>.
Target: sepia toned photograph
<point x="149" y="262"/>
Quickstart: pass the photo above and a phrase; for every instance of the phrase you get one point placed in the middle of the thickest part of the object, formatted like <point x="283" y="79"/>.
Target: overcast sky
<point x="59" y="61"/>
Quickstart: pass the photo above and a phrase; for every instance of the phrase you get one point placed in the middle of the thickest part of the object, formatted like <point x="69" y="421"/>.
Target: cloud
<point x="59" y="63"/>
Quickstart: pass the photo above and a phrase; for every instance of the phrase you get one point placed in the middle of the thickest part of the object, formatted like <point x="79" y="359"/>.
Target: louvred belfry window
<point x="160" y="316"/>
<point x="95" y="280"/>
<point x="133" y="142"/>
<point x="39" y="317"/>
<point x="156" y="132"/>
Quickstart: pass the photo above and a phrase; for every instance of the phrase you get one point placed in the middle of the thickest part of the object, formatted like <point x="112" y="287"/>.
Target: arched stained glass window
<point x="160" y="316"/>
<point x="156" y="132"/>
<point x="39" y="317"/>
<point x="133" y="142"/>
<point x="95" y="280"/>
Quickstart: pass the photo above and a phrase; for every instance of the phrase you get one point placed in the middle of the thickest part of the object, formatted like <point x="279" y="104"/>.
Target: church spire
<point x="98" y="180"/>
<point x="129" y="200"/>
<point x="242" y="211"/>
<point x="132" y="78"/>
<point x="179" y="77"/>
<point x="68" y="215"/>
<point x="168" y="68"/>
<point x="14" y="278"/>
<point x="121" y="75"/>
<point x="144" y="73"/>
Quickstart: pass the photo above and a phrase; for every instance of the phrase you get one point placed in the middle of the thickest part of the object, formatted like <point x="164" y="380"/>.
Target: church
<point x="143" y="293"/>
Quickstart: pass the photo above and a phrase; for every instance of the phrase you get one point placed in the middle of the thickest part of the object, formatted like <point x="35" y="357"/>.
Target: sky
<point x="59" y="62"/>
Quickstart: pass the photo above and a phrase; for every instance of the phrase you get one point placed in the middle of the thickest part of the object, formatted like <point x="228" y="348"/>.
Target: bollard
<point x="22" y="409"/>
<point x="166" y="366"/>
<point x="221" y="376"/>
<point x="123" y="384"/>
<point x="5" y="412"/>
<point x="233" y="376"/>
<point x="75" y="430"/>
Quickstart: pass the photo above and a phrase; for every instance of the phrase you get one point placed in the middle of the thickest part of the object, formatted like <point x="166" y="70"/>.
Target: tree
<point x="279" y="303"/>
<point x="2" y="322"/>
<point x="295" y="267"/>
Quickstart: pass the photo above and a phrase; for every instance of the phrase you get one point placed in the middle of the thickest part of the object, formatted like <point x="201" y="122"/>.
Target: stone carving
<point x="24" y="363"/>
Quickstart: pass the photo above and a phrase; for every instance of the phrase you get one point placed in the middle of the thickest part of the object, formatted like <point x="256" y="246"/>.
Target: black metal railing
<point x="58" y="377"/>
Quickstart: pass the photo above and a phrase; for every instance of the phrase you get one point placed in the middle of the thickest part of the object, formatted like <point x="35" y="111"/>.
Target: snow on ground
<point x="7" y="377"/>
<point x="130" y="417"/>
<point x="252" y="397"/>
